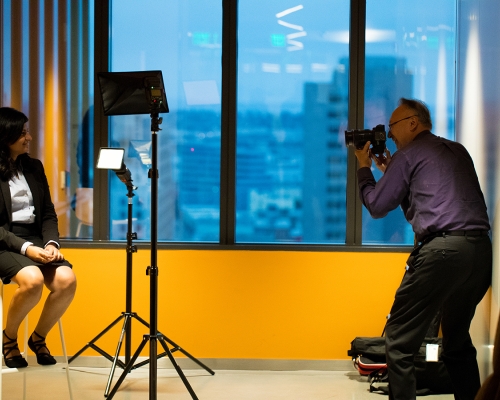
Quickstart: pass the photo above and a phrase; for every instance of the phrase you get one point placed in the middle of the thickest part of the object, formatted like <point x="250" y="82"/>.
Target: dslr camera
<point x="376" y="136"/>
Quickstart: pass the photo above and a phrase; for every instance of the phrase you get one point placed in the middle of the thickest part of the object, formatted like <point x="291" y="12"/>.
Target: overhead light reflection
<point x="372" y="36"/>
<point x="289" y="11"/>
<point x="293" y="45"/>
<point x="472" y="134"/>
<point x="441" y="117"/>
<point x="273" y="68"/>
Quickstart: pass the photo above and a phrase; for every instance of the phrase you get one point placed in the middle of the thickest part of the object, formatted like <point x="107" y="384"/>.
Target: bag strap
<point x="381" y="375"/>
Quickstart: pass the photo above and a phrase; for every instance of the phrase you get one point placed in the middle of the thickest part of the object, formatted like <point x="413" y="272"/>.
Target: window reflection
<point x="46" y="64"/>
<point x="187" y="49"/>
<point x="292" y="113"/>
<point x="410" y="52"/>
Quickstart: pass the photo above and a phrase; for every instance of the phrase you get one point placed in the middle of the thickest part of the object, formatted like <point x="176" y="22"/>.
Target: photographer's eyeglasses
<point x="402" y="119"/>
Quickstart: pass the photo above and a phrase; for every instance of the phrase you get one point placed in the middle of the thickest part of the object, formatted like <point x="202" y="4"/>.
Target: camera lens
<point x="349" y="138"/>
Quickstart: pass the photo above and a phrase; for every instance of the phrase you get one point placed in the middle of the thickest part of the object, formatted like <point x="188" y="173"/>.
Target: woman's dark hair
<point x="11" y="128"/>
<point x="420" y="109"/>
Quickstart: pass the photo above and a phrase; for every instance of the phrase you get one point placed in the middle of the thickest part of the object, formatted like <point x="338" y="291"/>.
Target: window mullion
<point x="356" y="115"/>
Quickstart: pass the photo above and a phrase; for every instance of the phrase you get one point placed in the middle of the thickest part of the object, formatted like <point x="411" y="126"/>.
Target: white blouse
<point x="23" y="210"/>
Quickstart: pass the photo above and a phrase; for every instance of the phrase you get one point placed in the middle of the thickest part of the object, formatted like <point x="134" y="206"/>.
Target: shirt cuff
<point x="52" y="242"/>
<point x="364" y="172"/>
<point x="25" y="246"/>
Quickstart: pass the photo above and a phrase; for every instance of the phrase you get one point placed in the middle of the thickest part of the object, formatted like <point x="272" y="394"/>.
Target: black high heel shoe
<point x="36" y="346"/>
<point x="14" y="361"/>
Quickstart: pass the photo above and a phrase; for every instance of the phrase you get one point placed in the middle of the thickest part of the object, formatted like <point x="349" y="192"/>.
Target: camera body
<point x="376" y="136"/>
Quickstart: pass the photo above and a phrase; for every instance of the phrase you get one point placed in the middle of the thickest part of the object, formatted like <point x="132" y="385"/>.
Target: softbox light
<point x="134" y="92"/>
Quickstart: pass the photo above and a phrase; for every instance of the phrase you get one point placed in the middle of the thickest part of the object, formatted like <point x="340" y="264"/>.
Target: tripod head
<point x="155" y="95"/>
<point x="155" y="122"/>
<point x="126" y="177"/>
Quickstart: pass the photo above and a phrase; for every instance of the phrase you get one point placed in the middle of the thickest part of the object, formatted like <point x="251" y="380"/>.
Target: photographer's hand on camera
<point x="382" y="160"/>
<point x="364" y="156"/>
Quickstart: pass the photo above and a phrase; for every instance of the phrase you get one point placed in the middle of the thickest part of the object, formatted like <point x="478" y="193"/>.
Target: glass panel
<point x="182" y="38"/>
<point x="478" y="96"/>
<point x="46" y="71"/>
<point x="410" y="52"/>
<point x="292" y="114"/>
<point x="81" y="120"/>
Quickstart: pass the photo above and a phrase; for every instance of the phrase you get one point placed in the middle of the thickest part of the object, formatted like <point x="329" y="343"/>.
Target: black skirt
<point x="11" y="262"/>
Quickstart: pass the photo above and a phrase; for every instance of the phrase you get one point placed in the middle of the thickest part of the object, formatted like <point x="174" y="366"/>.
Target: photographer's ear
<point x="414" y="122"/>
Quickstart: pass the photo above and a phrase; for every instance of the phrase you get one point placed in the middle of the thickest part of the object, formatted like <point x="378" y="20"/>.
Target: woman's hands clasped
<point x="49" y="254"/>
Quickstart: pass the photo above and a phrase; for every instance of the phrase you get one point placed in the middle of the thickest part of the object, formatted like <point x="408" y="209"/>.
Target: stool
<point x="24" y="345"/>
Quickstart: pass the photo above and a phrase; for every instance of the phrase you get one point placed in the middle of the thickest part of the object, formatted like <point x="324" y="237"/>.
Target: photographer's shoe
<point x="38" y="346"/>
<point x="14" y="361"/>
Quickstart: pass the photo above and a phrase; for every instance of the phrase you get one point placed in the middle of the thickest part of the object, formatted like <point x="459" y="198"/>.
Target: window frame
<point x="227" y="226"/>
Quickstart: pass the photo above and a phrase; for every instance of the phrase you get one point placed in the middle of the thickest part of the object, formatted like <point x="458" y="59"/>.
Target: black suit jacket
<point x="45" y="214"/>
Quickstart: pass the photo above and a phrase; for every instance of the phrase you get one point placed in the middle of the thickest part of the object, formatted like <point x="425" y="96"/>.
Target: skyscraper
<point x="325" y="158"/>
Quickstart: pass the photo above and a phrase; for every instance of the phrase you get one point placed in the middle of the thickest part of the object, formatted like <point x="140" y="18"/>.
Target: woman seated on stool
<point x="29" y="242"/>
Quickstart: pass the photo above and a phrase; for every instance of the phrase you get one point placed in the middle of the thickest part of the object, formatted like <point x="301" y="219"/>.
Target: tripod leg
<point x="89" y="344"/>
<point x="177" y="368"/>
<point x="128" y="367"/>
<point x="142" y="321"/>
<point x="176" y="348"/>
<point x="117" y="354"/>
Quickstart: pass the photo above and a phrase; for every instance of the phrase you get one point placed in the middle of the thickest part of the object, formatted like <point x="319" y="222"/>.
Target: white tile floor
<point x="90" y="383"/>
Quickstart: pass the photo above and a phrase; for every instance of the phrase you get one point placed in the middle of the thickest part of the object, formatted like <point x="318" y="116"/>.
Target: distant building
<point x="325" y="159"/>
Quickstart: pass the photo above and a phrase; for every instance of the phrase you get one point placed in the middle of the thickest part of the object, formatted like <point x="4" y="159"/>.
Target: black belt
<point x="433" y="235"/>
<point x="462" y="233"/>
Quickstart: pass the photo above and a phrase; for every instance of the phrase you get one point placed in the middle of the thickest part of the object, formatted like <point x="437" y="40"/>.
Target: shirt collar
<point x="423" y="134"/>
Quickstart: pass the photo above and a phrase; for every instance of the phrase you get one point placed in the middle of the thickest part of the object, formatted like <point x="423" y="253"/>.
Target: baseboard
<point x="227" y="364"/>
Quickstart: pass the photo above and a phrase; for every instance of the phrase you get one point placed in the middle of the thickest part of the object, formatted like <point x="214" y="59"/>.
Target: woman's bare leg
<point x="30" y="282"/>
<point x="61" y="281"/>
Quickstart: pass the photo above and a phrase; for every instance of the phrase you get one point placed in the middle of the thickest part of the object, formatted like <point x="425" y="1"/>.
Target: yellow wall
<point x="235" y="304"/>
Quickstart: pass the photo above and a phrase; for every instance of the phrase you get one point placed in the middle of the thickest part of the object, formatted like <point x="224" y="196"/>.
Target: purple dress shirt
<point x="435" y="183"/>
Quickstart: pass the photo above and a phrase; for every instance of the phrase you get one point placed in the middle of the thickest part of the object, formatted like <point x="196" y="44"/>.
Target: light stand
<point x="110" y="158"/>
<point x="142" y="92"/>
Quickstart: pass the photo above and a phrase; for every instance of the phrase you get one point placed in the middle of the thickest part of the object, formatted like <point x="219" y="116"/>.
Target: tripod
<point x="154" y="335"/>
<point x="126" y="331"/>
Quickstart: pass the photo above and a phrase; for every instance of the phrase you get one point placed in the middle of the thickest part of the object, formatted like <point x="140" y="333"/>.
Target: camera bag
<point x="368" y="355"/>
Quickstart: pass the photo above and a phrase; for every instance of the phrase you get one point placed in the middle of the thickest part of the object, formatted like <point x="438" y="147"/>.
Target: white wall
<point x="478" y="128"/>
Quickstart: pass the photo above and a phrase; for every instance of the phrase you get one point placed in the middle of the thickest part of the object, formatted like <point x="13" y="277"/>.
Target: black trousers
<point x="451" y="274"/>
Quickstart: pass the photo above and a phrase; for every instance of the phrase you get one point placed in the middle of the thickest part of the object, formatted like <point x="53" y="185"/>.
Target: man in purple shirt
<point x="436" y="185"/>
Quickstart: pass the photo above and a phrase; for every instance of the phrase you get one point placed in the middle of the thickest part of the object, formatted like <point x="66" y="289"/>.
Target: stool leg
<point x="25" y="353"/>
<point x="24" y="385"/>
<point x="63" y="343"/>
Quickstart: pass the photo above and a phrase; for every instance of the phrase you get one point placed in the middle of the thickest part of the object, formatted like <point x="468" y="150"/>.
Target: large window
<point x="253" y="149"/>
<point x="182" y="38"/>
<point x="410" y="52"/>
<point x="292" y="112"/>
<point x="292" y="102"/>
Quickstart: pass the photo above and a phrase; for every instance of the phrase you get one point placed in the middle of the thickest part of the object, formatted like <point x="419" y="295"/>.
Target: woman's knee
<point x="30" y="279"/>
<point x="64" y="280"/>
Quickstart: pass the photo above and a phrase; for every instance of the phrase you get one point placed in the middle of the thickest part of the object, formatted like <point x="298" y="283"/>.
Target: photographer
<point x="435" y="183"/>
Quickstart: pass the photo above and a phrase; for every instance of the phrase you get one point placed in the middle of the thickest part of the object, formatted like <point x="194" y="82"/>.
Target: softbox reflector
<point x="133" y="92"/>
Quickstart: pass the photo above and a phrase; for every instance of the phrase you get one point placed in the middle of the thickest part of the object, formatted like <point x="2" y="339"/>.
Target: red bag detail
<point x="365" y="366"/>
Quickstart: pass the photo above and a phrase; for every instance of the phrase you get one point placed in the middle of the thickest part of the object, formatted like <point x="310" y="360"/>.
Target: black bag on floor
<point x="368" y="355"/>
